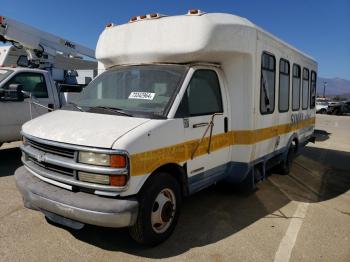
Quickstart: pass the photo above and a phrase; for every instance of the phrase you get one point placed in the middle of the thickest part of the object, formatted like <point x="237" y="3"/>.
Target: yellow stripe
<point x="147" y="162"/>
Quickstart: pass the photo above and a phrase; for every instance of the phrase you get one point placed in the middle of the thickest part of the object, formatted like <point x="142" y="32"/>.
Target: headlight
<point x="94" y="158"/>
<point x="99" y="159"/>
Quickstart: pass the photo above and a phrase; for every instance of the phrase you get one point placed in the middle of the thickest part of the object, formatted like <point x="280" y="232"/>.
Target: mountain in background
<point x="335" y="87"/>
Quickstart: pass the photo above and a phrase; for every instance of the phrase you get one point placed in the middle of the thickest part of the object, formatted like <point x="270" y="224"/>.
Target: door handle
<point x="199" y="125"/>
<point x="225" y="124"/>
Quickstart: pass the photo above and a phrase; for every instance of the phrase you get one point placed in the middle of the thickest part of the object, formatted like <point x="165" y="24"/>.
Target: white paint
<point x="286" y="246"/>
<point x="80" y="128"/>
<point x="181" y="39"/>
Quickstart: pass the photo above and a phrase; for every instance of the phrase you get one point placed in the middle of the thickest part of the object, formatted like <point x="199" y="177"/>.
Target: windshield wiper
<point x="76" y="106"/>
<point x="114" y="110"/>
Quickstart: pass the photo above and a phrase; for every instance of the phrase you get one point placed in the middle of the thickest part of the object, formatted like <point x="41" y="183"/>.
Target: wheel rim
<point x="163" y="210"/>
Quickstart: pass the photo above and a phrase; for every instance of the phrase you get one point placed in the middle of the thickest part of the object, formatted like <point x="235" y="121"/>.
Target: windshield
<point x="144" y="91"/>
<point x="4" y="73"/>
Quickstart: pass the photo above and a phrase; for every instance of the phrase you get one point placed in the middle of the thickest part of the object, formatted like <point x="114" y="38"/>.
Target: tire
<point x="155" y="222"/>
<point x="323" y="111"/>
<point x="285" y="165"/>
<point x="248" y="184"/>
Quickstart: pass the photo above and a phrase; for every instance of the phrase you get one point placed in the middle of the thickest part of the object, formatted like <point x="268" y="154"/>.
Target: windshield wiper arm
<point x="114" y="109"/>
<point x="76" y="106"/>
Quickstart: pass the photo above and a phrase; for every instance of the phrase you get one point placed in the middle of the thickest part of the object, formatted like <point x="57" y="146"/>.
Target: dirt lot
<point x="301" y="217"/>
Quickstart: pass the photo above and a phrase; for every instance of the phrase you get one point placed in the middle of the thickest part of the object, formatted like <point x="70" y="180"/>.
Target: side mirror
<point x="13" y="93"/>
<point x="23" y="61"/>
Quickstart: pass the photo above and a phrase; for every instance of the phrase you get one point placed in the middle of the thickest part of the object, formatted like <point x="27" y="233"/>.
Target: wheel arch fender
<point x="175" y="170"/>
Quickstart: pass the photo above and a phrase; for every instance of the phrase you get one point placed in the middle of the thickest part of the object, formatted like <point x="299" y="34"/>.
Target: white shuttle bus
<point x="183" y="102"/>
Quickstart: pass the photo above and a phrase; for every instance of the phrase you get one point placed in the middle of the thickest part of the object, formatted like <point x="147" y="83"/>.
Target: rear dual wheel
<point x="285" y="166"/>
<point x="159" y="205"/>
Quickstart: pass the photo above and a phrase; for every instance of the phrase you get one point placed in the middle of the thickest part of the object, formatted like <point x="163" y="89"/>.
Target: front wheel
<point x="159" y="206"/>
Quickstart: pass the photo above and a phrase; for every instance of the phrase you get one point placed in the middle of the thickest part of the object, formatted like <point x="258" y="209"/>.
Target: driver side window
<point x="32" y="82"/>
<point x="203" y="95"/>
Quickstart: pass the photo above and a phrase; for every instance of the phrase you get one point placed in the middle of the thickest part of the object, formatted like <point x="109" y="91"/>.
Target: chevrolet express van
<point x="182" y="102"/>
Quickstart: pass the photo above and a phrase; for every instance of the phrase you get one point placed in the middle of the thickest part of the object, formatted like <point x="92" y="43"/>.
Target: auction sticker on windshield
<point x="142" y="95"/>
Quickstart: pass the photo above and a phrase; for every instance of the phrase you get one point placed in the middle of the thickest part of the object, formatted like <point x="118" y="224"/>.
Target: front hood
<point x="81" y="128"/>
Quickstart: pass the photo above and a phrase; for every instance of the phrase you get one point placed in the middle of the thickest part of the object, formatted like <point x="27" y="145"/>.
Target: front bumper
<point x="85" y="208"/>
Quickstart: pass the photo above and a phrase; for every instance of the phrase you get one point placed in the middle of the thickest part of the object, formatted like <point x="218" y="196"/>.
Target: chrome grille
<point x="52" y="149"/>
<point x="59" y="162"/>
<point x="55" y="168"/>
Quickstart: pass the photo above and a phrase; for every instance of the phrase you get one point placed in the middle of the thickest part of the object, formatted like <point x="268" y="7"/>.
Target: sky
<point x="320" y="28"/>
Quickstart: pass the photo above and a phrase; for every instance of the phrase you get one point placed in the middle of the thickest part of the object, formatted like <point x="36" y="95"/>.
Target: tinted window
<point x="32" y="82"/>
<point x="283" y="94"/>
<point x="313" y="89"/>
<point x="305" y="96"/>
<point x="296" y="87"/>
<point x="203" y="95"/>
<point x="267" y="89"/>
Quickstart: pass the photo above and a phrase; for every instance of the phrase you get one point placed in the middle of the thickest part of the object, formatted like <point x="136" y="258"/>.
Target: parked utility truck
<point x="41" y="65"/>
<point x="183" y="102"/>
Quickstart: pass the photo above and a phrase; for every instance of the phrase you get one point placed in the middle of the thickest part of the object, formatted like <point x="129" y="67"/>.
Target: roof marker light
<point x="154" y="15"/>
<point x="133" y="19"/>
<point x="146" y="17"/>
<point x="109" y="25"/>
<point x="195" y="12"/>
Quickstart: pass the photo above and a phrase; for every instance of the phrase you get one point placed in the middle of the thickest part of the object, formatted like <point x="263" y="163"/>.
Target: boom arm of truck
<point x="44" y="50"/>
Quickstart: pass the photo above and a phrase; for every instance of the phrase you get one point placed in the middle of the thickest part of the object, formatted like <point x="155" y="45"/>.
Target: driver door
<point x="203" y="103"/>
<point x="14" y="114"/>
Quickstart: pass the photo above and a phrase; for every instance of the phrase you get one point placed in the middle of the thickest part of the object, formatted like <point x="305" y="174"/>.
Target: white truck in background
<point x="42" y="68"/>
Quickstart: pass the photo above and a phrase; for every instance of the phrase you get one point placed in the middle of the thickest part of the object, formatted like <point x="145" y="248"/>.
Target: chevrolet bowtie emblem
<point x="40" y="157"/>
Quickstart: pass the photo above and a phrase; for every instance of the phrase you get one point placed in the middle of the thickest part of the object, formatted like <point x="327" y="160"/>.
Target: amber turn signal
<point x="118" y="180"/>
<point x="118" y="161"/>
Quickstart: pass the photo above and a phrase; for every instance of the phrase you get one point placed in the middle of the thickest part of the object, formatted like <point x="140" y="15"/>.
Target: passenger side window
<point x="305" y="102"/>
<point x="283" y="94"/>
<point x="32" y="82"/>
<point x="296" y="87"/>
<point x="267" y="89"/>
<point x="203" y="95"/>
<point x="313" y="89"/>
